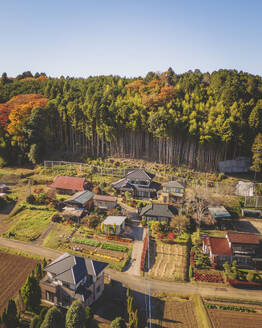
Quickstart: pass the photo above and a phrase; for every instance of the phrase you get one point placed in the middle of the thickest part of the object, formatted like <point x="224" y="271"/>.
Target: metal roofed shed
<point x="117" y="221"/>
<point x="245" y="188"/>
<point x="219" y="212"/>
<point x="83" y="199"/>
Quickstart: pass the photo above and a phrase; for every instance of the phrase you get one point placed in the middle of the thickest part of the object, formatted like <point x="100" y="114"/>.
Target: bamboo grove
<point x="193" y="118"/>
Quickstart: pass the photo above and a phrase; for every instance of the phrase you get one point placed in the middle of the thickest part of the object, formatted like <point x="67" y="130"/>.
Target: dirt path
<point x="39" y="241"/>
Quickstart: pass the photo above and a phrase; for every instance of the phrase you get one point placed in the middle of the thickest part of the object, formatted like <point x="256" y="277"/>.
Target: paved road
<point x="139" y="283"/>
<point x="139" y="235"/>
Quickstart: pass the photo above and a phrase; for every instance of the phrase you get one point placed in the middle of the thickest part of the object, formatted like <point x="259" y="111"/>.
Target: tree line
<point x="192" y="118"/>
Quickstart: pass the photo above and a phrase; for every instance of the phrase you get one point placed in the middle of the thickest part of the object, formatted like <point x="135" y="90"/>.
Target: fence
<point x="218" y="187"/>
<point x="253" y="201"/>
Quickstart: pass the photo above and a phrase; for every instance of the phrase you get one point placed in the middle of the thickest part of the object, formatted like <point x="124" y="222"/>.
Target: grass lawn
<point x="213" y="233"/>
<point x="30" y="223"/>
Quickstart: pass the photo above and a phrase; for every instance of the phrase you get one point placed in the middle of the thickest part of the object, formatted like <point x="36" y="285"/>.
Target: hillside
<point x="193" y="118"/>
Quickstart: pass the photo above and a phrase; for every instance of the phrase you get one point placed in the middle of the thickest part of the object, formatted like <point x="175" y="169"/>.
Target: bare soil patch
<point x="13" y="273"/>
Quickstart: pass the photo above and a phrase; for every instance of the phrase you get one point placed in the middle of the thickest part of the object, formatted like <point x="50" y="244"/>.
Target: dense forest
<point x="193" y="118"/>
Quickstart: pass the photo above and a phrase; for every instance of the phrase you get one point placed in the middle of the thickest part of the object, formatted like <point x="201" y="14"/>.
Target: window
<point x="50" y="296"/>
<point x="98" y="289"/>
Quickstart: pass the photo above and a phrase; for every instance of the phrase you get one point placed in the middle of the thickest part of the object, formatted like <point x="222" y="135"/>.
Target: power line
<point x="149" y="286"/>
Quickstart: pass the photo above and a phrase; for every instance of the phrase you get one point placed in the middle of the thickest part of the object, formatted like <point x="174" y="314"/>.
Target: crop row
<point x="229" y="307"/>
<point x="85" y="241"/>
<point x="208" y="277"/>
<point x="114" y="247"/>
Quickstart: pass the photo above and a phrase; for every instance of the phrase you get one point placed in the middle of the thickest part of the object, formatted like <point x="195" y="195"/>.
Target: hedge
<point x="229" y="307"/>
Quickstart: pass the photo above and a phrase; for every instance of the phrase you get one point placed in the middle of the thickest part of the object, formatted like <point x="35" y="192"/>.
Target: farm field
<point x="233" y="319"/>
<point x="56" y="238"/>
<point x="169" y="261"/>
<point x="30" y="223"/>
<point x="13" y="273"/>
<point x="178" y="314"/>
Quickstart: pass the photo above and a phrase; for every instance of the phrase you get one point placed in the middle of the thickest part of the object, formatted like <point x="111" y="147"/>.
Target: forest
<point x="193" y="119"/>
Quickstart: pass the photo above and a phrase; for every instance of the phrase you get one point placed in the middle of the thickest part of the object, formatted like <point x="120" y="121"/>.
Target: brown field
<point x="13" y="273"/>
<point x="169" y="261"/>
<point x="177" y="314"/>
<point x="233" y="319"/>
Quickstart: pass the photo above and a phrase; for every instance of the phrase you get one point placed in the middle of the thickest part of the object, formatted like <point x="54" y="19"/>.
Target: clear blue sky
<point x="129" y="37"/>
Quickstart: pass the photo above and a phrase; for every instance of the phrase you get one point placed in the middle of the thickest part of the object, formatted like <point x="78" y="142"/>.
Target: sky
<point x="128" y="37"/>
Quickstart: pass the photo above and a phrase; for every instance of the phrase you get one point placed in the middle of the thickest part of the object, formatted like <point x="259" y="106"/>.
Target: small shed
<point x="245" y="188"/>
<point x="3" y="188"/>
<point x="71" y="213"/>
<point x="117" y="221"/>
<point x="105" y="202"/>
<point x="82" y="199"/>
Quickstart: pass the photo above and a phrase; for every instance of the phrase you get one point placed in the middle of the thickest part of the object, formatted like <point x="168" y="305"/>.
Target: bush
<point x="250" y="276"/>
<point x="118" y="323"/>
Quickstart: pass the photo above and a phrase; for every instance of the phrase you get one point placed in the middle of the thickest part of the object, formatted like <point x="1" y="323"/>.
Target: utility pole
<point x="149" y="287"/>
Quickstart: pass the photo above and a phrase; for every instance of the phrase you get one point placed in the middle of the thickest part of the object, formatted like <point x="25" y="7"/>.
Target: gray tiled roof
<point x="140" y="174"/>
<point x="80" y="197"/>
<point x="173" y="184"/>
<point x="72" y="269"/>
<point x="159" y="210"/>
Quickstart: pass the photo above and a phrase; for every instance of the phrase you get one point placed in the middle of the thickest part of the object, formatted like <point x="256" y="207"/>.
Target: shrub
<point x="118" y="323"/>
<point x="250" y="276"/>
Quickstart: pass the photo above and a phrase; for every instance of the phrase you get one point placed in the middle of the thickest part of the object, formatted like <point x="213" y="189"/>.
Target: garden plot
<point x="29" y="224"/>
<point x="170" y="261"/>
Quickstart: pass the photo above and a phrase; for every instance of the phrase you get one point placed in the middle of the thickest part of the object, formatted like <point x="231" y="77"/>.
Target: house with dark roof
<point x="105" y="202"/>
<point x="241" y="247"/>
<point x="82" y="199"/>
<point x="158" y="212"/>
<point x="68" y="185"/>
<point x="139" y="183"/>
<point x="71" y="278"/>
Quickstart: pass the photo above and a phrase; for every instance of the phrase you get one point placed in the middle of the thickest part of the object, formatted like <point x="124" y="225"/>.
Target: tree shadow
<point x="245" y="226"/>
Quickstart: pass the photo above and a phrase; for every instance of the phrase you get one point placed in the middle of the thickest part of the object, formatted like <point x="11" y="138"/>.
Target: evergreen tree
<point x="257" y="154"/>
<point x="76" y="315"/>
<point x="31" y="294"/>
<point x="53" y="319"/>
<point x="9" y="317"/>
<point x="118" y="323"/>
<point x="39" y="272"/>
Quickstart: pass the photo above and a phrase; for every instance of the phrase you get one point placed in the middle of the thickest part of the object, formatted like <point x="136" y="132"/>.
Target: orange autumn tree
<point x="19" y="109"/>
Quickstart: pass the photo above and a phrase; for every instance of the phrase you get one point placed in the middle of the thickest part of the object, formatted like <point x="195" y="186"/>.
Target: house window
<point x="50" y="296"/>
<point x="98" y="289"/>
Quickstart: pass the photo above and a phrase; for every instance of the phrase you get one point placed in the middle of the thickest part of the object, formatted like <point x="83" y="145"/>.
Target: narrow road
<point x="138" y="283"/>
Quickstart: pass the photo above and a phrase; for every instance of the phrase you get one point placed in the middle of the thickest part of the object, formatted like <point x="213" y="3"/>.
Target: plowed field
<point x="13" y="273"/>
<point x="233" y="319"/>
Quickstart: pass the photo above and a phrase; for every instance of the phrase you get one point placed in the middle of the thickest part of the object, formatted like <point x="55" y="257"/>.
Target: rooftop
<point x="105" y="198"/>
<point x="219" y="212"/>
<point x="118" y="220"/>
<point x="80" y="197"/>
<point x="218" y="246"/>
<point x="159" y="210"/>
<point x="243" y="238"/>
<point x="139" y="174"/>
<point x="173" y="184"/>
<point x="69" y="183"/>
<point x="72" y="269"/>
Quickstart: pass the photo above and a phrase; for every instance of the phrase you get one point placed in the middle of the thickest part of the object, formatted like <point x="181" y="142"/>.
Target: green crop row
<point x="113" y="247"/>
<point x="85" y="241"/>
<point x="229" y="307"/>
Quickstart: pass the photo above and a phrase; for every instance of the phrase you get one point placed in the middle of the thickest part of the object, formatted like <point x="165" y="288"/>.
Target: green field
<point x="30" y="223"/>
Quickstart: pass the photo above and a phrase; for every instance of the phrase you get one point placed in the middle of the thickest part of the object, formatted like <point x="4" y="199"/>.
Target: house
<point x="71" y="278"/>
<point x="105" y="202"/>
<point x="82" y="199"/>
<point x="219" y="215"/>
<point x="172" y="190"/>
<point x="68" y="185"/>
<point x="115" y="221"/>
<point x="244" y="188"/>
<point x="139" y="183"/>
<point x="237" y="246"/>
<point x="158" y="212"/>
